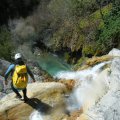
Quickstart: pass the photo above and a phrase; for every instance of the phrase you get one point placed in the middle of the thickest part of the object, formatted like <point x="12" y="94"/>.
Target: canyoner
<point x="19" y="72"/>
<point x="20" y="76"/>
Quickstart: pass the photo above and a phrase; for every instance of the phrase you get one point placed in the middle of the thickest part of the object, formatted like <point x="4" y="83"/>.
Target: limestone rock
<point x="95" y="60"/>
<point x="68" y="83"/>
<point x="114" y="52"/>
<point x="46" y="98"/>
<point x="108" y="107"/>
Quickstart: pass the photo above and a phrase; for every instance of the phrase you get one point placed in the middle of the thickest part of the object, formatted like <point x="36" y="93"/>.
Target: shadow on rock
<point x="39" y="105"/>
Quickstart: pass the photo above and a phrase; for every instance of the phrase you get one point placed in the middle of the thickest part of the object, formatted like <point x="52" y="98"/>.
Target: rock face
<point x="3" y="66"/>
<point x="1" y="83"/>
<point x="108" y="107"/>
<point x="45" y="98"/>
<point x="68" y="83"/>
<point x="114" y="52"/>
<point x="96" y="60"/>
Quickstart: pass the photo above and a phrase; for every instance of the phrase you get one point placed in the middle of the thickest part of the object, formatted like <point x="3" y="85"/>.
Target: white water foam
<point x="83" y="91"/>
<point x="36" y="116"/>
<point x="80" y="75"/>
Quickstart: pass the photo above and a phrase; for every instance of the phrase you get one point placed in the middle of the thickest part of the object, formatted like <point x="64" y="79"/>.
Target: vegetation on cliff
<point x="73" y="28"/>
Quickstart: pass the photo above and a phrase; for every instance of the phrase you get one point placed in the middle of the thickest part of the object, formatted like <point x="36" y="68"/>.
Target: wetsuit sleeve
<point x="9" y="70"/>
<point x="30" y="73"/>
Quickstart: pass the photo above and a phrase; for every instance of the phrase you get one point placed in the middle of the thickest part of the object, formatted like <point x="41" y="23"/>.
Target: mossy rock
<point x="66" y="56"/>
<point x="89" y="49"/>
<point x="80" y="41"/>
<point x="79" y="63"/>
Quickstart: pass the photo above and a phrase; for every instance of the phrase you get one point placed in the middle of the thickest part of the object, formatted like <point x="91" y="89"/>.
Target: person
<point x="19" y="72"/>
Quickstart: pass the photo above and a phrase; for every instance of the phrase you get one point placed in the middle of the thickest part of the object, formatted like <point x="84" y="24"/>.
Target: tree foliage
<point x="10" y="9"/>
<point x="83" y="7"/>
<point x="109" y="35"/>
<point x="5" y="43"/>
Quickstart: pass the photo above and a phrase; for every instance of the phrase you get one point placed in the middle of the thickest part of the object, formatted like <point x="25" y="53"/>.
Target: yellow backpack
<point x="20" y="76"/>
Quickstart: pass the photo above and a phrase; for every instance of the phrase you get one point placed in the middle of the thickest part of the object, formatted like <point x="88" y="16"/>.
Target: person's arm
<point x="31" y="74"/>
<point x="9" y="70"/>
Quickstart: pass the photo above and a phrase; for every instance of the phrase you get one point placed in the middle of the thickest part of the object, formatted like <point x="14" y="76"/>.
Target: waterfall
<point x="84" y="90"/>
<point x="86" y="81"/>
<point x="80" y="75"/>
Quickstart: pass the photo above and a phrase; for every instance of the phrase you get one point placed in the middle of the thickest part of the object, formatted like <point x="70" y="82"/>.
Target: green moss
<point x="96" y="15"/>
<point x="79" y="63"/>
<point x="82" y="60"/>
<point x="84" y="23"/>
<point x="89" y="49"/>
<point x="66" y="56"/>
<point x="80" y="42"/>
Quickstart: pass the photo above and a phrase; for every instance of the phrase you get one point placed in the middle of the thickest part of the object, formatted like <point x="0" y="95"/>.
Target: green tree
<point x="109" y="35"/>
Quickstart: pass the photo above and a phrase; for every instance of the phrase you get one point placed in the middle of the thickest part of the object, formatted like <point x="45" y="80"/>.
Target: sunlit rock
<point x="68" y="83"/>
<point x="114" y="52"/>
<point x="96" y="60"/>
<point x="46" y="98"/>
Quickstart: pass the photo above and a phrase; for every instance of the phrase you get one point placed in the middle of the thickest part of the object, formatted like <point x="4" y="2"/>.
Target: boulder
<point x="47" y="99"/>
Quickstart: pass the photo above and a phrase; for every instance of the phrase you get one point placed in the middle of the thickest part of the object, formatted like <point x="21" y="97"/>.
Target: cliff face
<point x="46" y="98"/>
<point x="3" y="66"/>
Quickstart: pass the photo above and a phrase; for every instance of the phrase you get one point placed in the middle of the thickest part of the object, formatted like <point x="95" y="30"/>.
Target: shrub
<point x="83" y="7"/>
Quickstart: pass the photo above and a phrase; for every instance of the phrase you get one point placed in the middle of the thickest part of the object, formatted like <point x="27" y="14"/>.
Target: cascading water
<point x="82" y="90"/>
<point x="80" y="75"/>
<point x="83" y="86"/>
<point x="36" y="116"/>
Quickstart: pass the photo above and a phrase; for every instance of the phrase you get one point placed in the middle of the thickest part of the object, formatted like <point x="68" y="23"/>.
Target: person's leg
<point x="25" y="94"/>
<point x="16" y="91"/>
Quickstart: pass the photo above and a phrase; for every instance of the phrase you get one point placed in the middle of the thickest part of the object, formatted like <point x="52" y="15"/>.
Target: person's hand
<point x="6" y="82"/>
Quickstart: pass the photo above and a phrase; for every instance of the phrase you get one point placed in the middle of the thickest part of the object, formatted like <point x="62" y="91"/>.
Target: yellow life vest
<point x="20" y="77"/>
